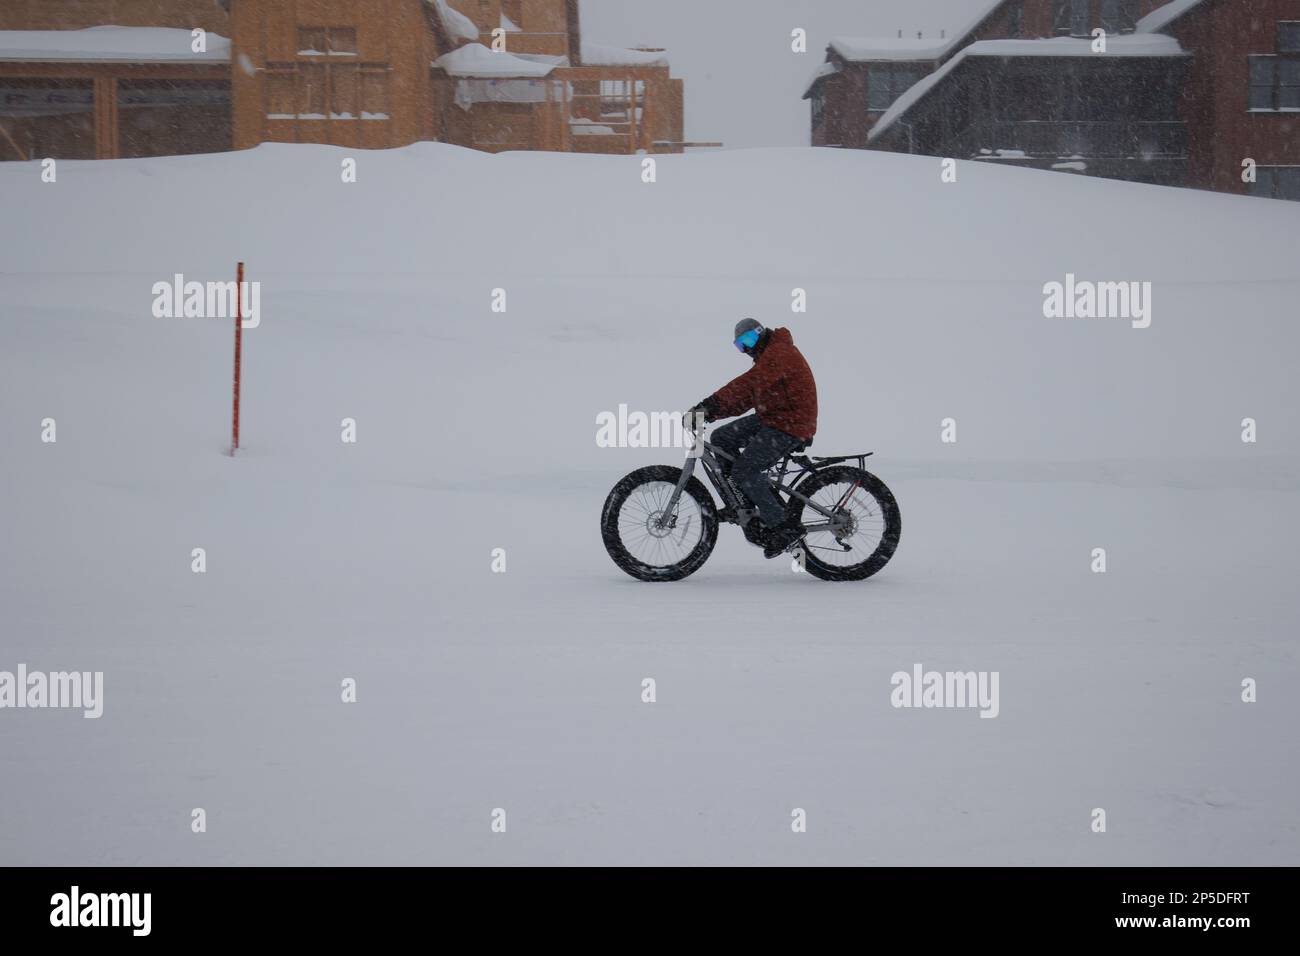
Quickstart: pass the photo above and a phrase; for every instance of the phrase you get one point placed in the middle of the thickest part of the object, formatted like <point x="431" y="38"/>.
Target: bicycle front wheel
<point x="647" y="542"/>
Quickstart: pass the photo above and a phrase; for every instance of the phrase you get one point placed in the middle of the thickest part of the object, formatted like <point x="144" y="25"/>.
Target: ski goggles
<point x="749" y="339"/>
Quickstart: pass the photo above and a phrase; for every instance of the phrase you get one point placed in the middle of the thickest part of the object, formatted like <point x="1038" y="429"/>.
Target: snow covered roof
<point x="110" y="43"/>
<point x="458" y="25"/>
<point x="598" y="54"/>
<point x="1125" y="45"/>
<point x="913" y="93"/>
<point x="826" y="69"/>
<point x="1161" y="17"/>
<point x="1130" y="45"/>
<point x="861" y="49"/>
<point x="476" y="60"/>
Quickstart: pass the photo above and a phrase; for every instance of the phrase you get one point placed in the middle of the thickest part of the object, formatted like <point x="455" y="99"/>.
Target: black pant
<point x="764" y="447"/>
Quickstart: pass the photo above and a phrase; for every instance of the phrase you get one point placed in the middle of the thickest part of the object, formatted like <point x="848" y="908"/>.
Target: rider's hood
<point x="780" y="336"/>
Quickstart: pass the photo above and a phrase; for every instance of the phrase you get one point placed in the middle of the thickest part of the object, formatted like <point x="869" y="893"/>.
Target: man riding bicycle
<point x="781" y="390"/>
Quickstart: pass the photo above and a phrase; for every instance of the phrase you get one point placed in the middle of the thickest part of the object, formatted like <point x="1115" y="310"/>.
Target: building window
<point x="312" y="41"/>
<point x="47" y="117"/>
<point x="1288" y="36"/>
<point x="818" y="108"/>
<point x="345" y="93"/>
<point x="313" y="89"/>
<point x="172" y="117"/>
<point x="281" y="90"/>
<point x="1119" y="16"/>
<point x="1061" y="17"/>
<point x="616" y="98"/>
<point x="886" y="83"/>
<point x="374" y="91"/>
<point x="1070" y="18"/>
<point x="327" y="41"/>
<point x="1274" y="83"/>
<point x="334" y="91"/>
<point x="1277" y="182"/>
<point x="1016" y="20"/>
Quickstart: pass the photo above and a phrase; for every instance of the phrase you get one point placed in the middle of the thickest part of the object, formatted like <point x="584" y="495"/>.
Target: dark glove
<point x="709" y="407"/>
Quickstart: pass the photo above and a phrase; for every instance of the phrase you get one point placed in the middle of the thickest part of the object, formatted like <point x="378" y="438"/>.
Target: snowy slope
<point x="476" y="430"/>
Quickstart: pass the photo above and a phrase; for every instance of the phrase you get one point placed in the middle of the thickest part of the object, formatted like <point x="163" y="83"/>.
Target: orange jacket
<point x="780" y="388"/>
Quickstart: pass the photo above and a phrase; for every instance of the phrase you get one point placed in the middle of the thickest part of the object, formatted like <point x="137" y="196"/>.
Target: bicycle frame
<point x="711" y="456"/>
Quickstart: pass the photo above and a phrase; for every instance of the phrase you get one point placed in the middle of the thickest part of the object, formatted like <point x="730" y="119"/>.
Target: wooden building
<point x="112" y="78"/>
<point x="1177" y="92"/>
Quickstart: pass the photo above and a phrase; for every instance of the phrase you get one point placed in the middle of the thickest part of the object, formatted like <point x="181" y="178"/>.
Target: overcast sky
<point x="743" y="85"/>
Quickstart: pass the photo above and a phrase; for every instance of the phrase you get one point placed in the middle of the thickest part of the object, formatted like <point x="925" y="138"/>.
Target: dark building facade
<point x="1201" y="93"/>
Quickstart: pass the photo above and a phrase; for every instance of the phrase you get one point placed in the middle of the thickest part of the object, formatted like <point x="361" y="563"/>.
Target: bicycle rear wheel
<point x="870" y="535"/>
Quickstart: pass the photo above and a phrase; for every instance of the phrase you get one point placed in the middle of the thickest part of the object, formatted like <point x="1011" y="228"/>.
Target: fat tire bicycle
<point x="660" y="523"/>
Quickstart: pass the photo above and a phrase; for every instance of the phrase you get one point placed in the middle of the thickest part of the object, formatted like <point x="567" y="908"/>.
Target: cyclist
<point x="781" y="391"/>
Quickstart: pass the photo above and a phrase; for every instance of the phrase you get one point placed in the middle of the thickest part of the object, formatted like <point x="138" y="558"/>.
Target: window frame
<point x="1123" y="14"/>
<point x="368" y="81"/>
<point x="377" y="73"/>
<point x="1275" y="182"/>
<point x="332" y="36"/>
<point x="1060" y="12"/>
<point x="1067" y="15"/>
<point x="1279" y="65"/>
<point x="892" y="69"/>
<point x="1288" y="23"/>
<point x="1016" y="19"/>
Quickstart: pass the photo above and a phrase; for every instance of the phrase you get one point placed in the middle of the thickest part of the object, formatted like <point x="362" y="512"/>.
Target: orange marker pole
<point x="239" y="336"/>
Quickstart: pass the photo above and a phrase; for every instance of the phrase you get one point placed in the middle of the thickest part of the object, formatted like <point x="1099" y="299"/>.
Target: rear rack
<point x="814" y="463"/>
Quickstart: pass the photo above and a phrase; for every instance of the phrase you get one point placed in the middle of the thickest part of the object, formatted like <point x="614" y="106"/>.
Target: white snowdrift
<point x="372" y="560"/>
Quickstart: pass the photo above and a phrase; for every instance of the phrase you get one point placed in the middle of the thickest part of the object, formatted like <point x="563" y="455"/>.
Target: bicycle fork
<point x="669" y="514"/>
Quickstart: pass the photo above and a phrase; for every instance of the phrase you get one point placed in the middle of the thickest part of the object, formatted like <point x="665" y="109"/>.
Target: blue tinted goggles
<point x="749" y="339"/>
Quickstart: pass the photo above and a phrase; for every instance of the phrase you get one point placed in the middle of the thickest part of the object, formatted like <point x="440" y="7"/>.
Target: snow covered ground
<point x="476" y="430"/>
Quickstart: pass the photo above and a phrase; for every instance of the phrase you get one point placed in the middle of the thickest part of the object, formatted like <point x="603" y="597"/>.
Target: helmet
<point x="747" y="335"/>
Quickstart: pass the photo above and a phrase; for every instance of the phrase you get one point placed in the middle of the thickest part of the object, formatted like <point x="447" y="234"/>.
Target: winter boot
<point x="777" y="540"/>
